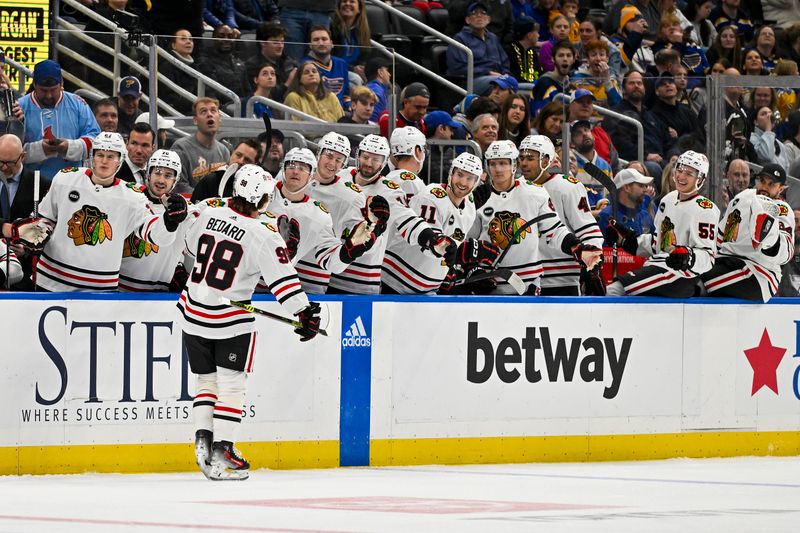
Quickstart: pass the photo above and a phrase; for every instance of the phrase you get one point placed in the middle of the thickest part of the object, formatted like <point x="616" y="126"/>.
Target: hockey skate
<point x="227" y="463"/>
<point x="202" y="450"/>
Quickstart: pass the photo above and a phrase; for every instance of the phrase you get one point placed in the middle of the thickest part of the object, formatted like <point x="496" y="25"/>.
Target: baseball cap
<point x="439" y="118"/>
<point x="506" y="81"/>
<point x="161" y="122"/>
<point x="47" y="73"/>
<point x="129" y="86"/>
<point x="278" y="134"/>
<point x="416" y="89"/>
<point x="630" y="175"/>
<point x="628" y="14"/>
<point x="575" y="125"/>
<point x="476" y="5"/>
<point x="374" y="64"/>
<point x="663" y="78"/>
<point x="773" y="171"/>
<point x="581" y="93"/>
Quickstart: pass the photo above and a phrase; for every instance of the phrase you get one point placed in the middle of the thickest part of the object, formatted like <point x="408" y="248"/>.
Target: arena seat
<point x="379" y="22"/>
<point x="437" y="19"/>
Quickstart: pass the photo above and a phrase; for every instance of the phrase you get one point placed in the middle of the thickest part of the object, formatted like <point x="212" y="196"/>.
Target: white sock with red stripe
<point x="204" y="400"/>
<point x="231" y="385"/>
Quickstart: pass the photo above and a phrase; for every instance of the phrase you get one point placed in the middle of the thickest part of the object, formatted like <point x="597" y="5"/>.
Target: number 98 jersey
<point x="231" y="252"/>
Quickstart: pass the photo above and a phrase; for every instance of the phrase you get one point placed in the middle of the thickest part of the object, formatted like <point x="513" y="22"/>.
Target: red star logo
<point x="764" y="359"/>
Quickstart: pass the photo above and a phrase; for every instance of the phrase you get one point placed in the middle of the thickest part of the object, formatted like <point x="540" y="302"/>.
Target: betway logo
<point x="593" y="354"/>
<point x="356" y="335"/>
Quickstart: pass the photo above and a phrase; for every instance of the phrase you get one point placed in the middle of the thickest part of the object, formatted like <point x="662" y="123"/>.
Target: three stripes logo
<point x="356" y="335"/>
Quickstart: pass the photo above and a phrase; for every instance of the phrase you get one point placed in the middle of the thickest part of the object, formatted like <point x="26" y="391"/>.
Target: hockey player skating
<point x="91" y="212"/>
<point x="684" y="244"/>
<point x="148" y="267"/>
<point x="450" y="209"/>
<point x="318" y="246"/>
<point x="363" y="276"/>
<point x="232" y="249"/>
<point x="505" y="206"/>
<point x="755" y="239"/>
<point x="562" y="272"/>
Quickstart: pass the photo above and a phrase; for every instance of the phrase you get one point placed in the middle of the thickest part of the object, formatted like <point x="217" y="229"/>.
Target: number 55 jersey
<point x="231" y="252"/>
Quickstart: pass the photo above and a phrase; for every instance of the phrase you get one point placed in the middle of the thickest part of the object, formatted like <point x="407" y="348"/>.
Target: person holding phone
<point x="59" y="126"/>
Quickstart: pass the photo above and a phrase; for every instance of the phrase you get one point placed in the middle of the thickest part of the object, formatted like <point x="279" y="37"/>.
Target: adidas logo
<point x="356" y="335"/>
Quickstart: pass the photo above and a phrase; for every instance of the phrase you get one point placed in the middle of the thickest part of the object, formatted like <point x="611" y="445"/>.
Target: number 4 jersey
<point x="231" y="253"/>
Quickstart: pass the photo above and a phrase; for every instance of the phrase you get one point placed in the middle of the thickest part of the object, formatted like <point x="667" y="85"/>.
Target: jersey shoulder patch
<point x="783" y="209"/>
<point x="321" y="207"/>
<point x="270" y="227"/>
<point x="438" y="192"/>
<point x="134" y="187"/>
<point x="406" y="175"/>
<point x="705" y="203"/>
<point x="353" y="186"/>
<point x="215" y="202"/>
<point x="533" y="183"/>
<point x="391" y="184"/>
<point x="268" y="214"/>
<point x="70" y="169"/>
<point x="570" y="178"/>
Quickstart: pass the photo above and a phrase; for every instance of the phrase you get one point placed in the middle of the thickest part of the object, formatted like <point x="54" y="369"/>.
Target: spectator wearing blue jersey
<point x="631" y="210"/>
<point x="380" y="82"/>
<point x="728" y="13"/>
<point x="250" y="14"/>
<point x="59" y="126"/>
<point x="334" y="71"/>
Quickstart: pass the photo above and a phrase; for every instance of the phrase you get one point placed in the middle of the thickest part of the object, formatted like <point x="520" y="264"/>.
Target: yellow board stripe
<point x="149" y="458"/>
<point x="495" y="450"/>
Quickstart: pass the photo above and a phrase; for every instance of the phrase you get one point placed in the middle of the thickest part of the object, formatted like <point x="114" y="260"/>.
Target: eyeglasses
<point x="10" y="163"/>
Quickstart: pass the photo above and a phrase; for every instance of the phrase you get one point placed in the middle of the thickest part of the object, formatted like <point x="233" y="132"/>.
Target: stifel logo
<point x="764" y="359"/>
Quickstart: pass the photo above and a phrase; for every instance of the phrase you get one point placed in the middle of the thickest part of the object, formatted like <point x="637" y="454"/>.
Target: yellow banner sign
<point x="24" y="32"/>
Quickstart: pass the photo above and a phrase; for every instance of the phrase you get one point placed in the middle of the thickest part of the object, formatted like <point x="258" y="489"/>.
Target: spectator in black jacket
<point x="522" y="54"/>
<point x="673" y="116"/>
<point x="250" y="14"/>
<point x="271" y="39"/>
<point x="624" y="135"/>
<point x="221" y="64"/>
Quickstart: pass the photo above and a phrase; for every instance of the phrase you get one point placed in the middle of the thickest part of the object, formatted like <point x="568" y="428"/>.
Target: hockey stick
<point x="506" y="274"/>
<point x="230" y="171"/>
<point x="268" y="131"/>
<point x="607" y="182"/>
<point x="36" y="189"/>
<point x="274" y="316"/>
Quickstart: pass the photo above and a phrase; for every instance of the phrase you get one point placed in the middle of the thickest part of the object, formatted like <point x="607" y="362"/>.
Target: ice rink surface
<point x="678" y="495"/>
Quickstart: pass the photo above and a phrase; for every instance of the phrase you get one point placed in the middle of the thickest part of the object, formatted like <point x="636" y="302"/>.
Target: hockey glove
<point x="378" y="213"/>
<point x="473" y="252"/>
<point x="762" y="234"/>
<point x="680" y="258"/>
<point x="441" y="245"/>
<point x="358" y="243"/>
<point x="31" y="233"/>
<point x="587" y="255"/>
<point x="179" y="279"/>
<point x="309" y="318"/>
<point x="290" y="231"/>
<point x="177" y="209"/>
<point x="625" y="237"/>
<point x="591" y="282"/>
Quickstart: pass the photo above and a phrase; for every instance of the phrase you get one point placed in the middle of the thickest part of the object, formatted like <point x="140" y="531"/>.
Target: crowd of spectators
<point x="537" y="65"/>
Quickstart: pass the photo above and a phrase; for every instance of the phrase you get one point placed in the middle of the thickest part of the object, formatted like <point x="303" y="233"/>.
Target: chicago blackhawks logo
<point x="438" y="192"/>
<point x="705" y="203"/>
<point x="215" y="202"/>
<point x="503" y="226"/>
<point x="322" y="207"/>
<point x="732" y="226"/>
<point x="134" y="187"/>
<point x="783" y="210"/>
<point x="391" y="184"/>
<point x="352" y="185"/>
<point x="667" y="233"/>
<point x="89" y="225"/>
<point x="137" y="248"/>
<point x="458" y="235"/>
<point x="405" y="175"/>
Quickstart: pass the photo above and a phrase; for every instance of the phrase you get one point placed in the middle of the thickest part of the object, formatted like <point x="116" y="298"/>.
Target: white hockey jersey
<point x="231" y="253"/>
<point x="572" y="205"/>
<point x="318" y="249"/>
<point x="503" y="213"/>
<point x="691" y="223"/>
<point x="91" y="223"/>
<point x="344" y="199"/>
<point x="148" y="267"/>
<point x="735" y="238"/>
<point x="9" y="258"/>
<point x="363" y="276"/>
<point x="406" y="267"/>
